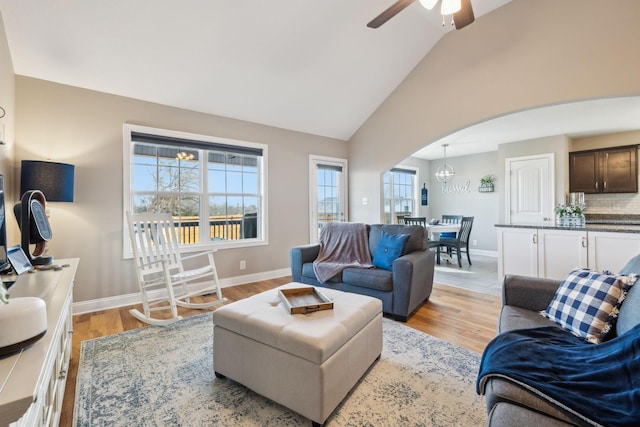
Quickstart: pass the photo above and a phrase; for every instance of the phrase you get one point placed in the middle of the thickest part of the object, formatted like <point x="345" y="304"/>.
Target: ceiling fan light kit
<point x="428" y="4"/>
<point x="461" y="11"/>
<point x="449" y="7"/>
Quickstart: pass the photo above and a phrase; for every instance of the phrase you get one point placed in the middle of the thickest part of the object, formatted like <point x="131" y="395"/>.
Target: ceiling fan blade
<point x="389" y="13"/>
<point x="464" y="16"/>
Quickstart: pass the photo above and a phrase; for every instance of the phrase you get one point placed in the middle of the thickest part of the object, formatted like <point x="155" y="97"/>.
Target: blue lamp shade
<point x="55" y="180"/>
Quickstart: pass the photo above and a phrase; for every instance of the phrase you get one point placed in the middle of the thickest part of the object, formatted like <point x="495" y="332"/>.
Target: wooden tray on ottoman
<point x="304" y="300"/>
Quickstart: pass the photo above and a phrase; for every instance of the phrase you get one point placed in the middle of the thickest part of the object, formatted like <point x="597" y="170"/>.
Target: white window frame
<point x="218" y="244"/>
<point x="415" y="198"/>
<point x="314" y="161"/>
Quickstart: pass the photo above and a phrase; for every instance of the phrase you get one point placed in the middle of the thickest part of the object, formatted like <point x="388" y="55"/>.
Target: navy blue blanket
<point x="599" y="383"/>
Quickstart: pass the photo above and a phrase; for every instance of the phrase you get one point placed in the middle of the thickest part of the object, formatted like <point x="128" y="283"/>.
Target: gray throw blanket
<point x="342" y="245"/>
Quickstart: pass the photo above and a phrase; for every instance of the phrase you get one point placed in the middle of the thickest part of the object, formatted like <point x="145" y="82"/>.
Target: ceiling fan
<point x="461" y="11"/>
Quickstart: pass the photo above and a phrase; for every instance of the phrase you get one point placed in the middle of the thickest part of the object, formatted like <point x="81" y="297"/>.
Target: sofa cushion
<point x="512" y="317"/>
<point x="308" y="271"/>
<point x="629" y="313"/>
<point x="378" y="279"/>
<point x="527" y="408"/>
<point x="417" y="241"/>
<point x="390" y="247"/>
<point x="587" y="303"/>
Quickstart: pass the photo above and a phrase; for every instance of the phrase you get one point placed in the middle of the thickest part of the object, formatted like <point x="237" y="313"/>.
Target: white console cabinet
<point x="32" y="382"/>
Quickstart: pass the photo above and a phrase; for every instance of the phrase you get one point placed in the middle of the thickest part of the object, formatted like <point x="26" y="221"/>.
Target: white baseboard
<point x="134" y="298"/>
<point x="493" y="254"/>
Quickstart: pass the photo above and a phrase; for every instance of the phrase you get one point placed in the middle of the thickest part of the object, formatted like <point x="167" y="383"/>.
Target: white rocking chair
<point x="163" y="281"/>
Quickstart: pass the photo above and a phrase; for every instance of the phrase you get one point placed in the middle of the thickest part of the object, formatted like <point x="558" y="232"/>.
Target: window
<point x="213" y="187"/>
<point x="400" y="195"/>
<point x="327" y="193"/>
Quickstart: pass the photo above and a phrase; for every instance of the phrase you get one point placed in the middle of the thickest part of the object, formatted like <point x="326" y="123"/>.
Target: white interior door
<point x="530" y="189"/>
<point x="328" y="193"/>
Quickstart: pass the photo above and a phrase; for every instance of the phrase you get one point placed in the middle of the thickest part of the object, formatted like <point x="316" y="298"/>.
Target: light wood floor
<point x="462" y="317"/>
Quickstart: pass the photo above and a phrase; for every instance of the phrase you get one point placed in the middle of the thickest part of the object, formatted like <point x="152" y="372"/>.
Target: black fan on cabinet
<point x="34" y="226"/>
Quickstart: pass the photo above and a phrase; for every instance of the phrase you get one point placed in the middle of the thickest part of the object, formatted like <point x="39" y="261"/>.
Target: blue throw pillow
<point x="390" y="247"/>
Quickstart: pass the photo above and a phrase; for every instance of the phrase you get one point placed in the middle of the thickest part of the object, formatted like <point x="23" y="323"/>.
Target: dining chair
<point x="458" y="244"/>
<point x="417" y="220"/>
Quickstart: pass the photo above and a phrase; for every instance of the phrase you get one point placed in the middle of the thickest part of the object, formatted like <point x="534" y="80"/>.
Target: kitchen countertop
<point x="610" y="226"/>
<point x="625" y="219"/>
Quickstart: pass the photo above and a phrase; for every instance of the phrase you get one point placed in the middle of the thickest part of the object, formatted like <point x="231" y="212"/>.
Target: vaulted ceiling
<point x="306" y="65"/>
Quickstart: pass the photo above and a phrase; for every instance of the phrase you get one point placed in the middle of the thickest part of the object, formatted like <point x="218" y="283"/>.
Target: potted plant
<point x="486" y="184"/>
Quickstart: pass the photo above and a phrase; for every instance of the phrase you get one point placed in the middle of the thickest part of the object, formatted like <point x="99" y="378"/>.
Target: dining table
<point x="434" y="231"/>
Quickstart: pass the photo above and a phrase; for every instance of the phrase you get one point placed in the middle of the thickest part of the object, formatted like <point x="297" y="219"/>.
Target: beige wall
<point x="558" y="52"/>
<point x="606" y="140"/>
<point x="83" y="127"/>
<point x="7" y="102"/>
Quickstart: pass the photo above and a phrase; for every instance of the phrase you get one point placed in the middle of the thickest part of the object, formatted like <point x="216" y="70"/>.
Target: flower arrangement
<point x="570" y="210"/>
<point x="570" y="215"/>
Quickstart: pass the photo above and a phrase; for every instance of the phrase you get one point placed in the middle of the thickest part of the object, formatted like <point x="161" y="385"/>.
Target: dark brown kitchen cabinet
<point x="607" y="170"/>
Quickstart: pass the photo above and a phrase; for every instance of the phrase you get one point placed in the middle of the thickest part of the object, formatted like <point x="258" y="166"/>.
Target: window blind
<point x="193" y="143"/>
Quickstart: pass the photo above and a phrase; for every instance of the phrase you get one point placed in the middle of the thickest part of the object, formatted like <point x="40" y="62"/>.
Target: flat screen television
<point x="4" y="262"/>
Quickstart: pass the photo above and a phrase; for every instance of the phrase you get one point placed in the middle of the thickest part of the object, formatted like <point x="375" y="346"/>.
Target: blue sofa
<point x="510" y="404"/>
<point x="401" y="289"/>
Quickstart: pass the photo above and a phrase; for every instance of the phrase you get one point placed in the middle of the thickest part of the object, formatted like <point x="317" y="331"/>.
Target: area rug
<point x="163" y="376"/>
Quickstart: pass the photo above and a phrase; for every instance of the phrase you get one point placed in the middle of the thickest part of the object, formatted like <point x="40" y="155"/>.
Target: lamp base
<point x="42" y="260"/>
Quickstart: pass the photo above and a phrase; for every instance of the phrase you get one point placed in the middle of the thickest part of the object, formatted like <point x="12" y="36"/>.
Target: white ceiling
<point x="306" y="65"/>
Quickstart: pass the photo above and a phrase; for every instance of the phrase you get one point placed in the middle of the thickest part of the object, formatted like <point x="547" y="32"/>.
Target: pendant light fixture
<point x="445" y="172"/>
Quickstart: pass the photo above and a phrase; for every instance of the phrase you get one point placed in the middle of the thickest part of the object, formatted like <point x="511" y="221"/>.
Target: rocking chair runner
<point x="164" y="283"/>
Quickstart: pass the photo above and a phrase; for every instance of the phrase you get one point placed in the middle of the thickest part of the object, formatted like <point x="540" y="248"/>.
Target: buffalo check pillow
<point x="587" y="303"/>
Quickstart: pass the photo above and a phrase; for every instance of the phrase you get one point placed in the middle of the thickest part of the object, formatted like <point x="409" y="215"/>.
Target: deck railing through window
<point x="225" y="228"/>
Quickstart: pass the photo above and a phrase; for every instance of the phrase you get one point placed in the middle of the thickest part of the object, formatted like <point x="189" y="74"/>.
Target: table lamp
<point x="40" y="181"/>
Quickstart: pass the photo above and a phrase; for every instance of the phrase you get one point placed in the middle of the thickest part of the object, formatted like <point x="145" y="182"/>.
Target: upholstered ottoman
<point x="306" y="362"/>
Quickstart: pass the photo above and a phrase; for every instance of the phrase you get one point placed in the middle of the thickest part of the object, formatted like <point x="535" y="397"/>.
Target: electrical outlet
<point x="243" y="264"/>
<point x="475" y="243"/>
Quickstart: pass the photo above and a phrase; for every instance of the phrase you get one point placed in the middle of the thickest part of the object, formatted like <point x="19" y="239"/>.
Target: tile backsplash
<point x="622" y="203"/>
